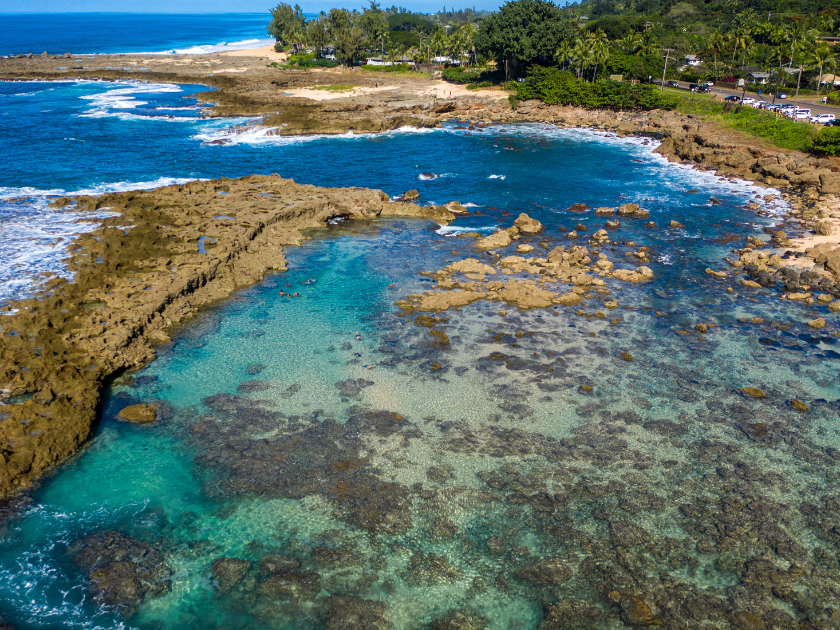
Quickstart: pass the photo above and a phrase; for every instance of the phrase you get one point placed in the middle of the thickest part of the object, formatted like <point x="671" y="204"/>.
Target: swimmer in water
<point x="282" y="294"/>
<point x="357" y="354"/>
<point x="296" y="294"/>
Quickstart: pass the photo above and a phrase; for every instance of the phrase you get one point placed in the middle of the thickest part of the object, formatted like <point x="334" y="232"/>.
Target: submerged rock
<point x="138" y="414"/>
<point x="229" y="572"/>
<point x="121" y="571"/>
<point x="548" y="572"/>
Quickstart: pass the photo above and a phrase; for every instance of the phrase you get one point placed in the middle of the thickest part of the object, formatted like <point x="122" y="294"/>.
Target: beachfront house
<point x="758" y="78"/>
<point x="692" y="60"/>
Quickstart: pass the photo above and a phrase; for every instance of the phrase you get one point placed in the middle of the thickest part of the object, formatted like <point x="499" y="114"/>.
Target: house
<point x="832" y="79"/>
<point x="692" y="60"/>
<point x="759" y="78"/>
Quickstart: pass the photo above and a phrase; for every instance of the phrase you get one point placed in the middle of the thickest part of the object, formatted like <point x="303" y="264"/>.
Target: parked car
<point x="802" y="114"/>
<point x="781" y="95"/>
<point x="733" y="99"/>
<point x="762" y="105"/>
<point x="822" y="119"/>
<point x="709" y="84"/>
<point x="747" y="101"/>
<point x="673" y="84"/>
<point x="833" y="123"/>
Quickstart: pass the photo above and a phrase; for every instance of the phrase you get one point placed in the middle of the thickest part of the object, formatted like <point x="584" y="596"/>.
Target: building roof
<point x="759" y="75"/>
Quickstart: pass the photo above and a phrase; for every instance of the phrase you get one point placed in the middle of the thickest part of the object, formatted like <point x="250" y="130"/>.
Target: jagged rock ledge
<point x="170" y="251"/>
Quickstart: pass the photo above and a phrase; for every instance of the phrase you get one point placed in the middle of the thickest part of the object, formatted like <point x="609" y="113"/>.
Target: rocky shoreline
<point x="188" y="246"/>
<point x="132" y="286"/>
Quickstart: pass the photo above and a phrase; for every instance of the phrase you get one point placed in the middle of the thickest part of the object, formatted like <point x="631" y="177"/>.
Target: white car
<point x="748" y="101"/>
<point x="822" y="119"/>
<point x="709" y="84"/>
<point x="802" y="114"/>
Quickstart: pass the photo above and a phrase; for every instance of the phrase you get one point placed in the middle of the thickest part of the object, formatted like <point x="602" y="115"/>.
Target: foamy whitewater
<point x="330" y="461"/>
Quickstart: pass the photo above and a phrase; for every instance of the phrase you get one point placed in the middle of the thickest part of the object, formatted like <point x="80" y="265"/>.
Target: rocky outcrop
<point x="131" y="285"/>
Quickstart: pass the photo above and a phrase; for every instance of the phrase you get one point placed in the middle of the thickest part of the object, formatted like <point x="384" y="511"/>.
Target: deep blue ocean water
<point x="79" y="33"/>
<point x="500" y="462"/>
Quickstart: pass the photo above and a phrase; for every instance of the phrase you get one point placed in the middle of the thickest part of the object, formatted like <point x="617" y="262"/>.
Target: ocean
<point x="535" y="475"/>
<point x="80" y="33"/>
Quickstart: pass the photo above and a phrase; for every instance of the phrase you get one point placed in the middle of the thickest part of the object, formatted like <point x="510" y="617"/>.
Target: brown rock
<point x="577" y="207"/>
<point x="799" y="405"/>
<point x="675" y="224"/>
<point x="753" y="391"/>
<point x="138" y="414"/>
<point x="410" y="197"/>
<point x="527" y="225"/>
<point x="817" y="323"/>
<point x="548" y="572"/>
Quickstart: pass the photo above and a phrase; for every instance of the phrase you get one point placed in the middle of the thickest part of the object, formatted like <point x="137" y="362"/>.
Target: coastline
<point x="181" y="280"/>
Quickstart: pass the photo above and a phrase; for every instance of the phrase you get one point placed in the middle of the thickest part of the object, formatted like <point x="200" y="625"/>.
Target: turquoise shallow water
<point x="474" y="485"/>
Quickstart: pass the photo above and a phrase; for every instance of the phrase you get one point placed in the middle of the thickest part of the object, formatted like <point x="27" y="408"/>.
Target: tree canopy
<point x="523" y="30"/>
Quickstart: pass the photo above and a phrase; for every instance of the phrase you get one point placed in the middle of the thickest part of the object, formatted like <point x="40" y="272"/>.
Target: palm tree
<point x="794" y="34"/>
<point x="715" y="43"/>
<point x="564" y="53"/>
<point x="438" y="41"/>
<point x="600" y="46"/>
<point x="581" y="55"/>
<point x="649" y="46"/>
<point x="740" y="37"/>
<point x="822" y="57"/>
<point x="630" y="43"/>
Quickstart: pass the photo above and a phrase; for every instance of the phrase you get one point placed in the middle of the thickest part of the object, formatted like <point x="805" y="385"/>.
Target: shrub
<point x="780" y="131"/>
<point x="278" y="47"/>
<point x="463" y="76"/>
<point x="400" y="67"/>
<point x="556" y="87"/>
<point x="833" y="98"/>
<point x="514" y="102"/>
<point x="826" y="142"/>
<point x="314" y="63"/>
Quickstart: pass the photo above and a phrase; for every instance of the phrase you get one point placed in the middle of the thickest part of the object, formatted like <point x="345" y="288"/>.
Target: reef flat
<point x="167" y="253"/>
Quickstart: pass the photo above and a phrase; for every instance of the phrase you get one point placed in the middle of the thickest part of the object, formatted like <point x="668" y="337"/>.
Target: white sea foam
<point x="453" y="230"/>
<point x="244" y="44"/>
<point x="497" y="177"/>
<point x="237" y="131"/>
<point x="35" y="236"/>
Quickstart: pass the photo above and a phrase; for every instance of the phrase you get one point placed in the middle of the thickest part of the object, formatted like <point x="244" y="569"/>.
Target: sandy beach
<point x="267" y="52"/>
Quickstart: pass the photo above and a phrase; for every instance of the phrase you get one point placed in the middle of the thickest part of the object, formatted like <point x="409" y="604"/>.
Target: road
<point x="803" y="101"/>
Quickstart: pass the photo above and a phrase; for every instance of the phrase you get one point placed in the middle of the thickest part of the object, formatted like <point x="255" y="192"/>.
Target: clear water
<point x="498" y="459"/>
<point x="80" y="33"/>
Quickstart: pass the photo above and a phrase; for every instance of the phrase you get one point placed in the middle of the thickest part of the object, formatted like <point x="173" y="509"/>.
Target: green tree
<point x="285" y="20"/>
<point x="822" y="57"/>
<point x="630" y="43"/>
<point x="523" y="30"/>
<point x="564" y="53"/>
<point x="350" y="45"/>
<point x="316" y="34"/>
<point x="374" y="23"/>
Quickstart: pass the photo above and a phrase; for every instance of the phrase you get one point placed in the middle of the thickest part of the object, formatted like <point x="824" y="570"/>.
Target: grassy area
<point x="776" y="130"/>
<point x="335" y="87"/>
<point x="400" y="68"/>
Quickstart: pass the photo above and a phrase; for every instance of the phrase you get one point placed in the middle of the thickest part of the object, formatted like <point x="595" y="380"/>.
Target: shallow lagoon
<point x="470" y="485"/>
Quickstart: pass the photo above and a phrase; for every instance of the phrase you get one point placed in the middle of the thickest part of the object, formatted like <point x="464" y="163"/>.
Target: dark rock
<point x="570" y="614"/>
<point x="353" y="613"/>
<point x="229" y="572"/>
<point x="255" y="368"/>
<point x="548" y="572"/>
<point x="626" y="534"/>
<point x="247" y="387"/>
<point x="121" y="571"/>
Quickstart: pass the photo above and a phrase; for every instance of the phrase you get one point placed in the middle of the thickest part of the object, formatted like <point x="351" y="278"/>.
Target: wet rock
<point x="276" y="564"/>
<point x="817" y="323"/>
<point x="247" y="387"/>
<point x="626" y="356"/>
<point x="524" y="248"/>
<point x="351" y="388"/>
<point x="571" y="614"/>
<point x="753" y="391"/>
<point x="442" y="529"/>
<point x="455" y="207"/>
<point x="229" y="572"/>
<point x="626" y="534"/>
<point x="715" y="274"/>
<point x="548" y="572"/>
<point x="255" y="368"/>
<point x="799" y="405"/>
<point x="702" y="328"/>
<point x="636" y="612"/>
<point x="284" y="581"/>
<point x="500" y="238"/>
<point x="121" y="571"/>
<point x="439" y="474"/>
<point x="579" y="207"/>
<point x="604" y="212"/>
<point x="675" y="225"/>
<point x="412" y="196"/>
<point x="632" y="210"/>
<point x="427" y="569"/>
<point x="527" y="225"/>
<point x="138" y="414"/>
<point x="460" y="620"/>
<point x="354" y="613"/>
<point x="613" y="225"/>
<point x="642" y="274"/>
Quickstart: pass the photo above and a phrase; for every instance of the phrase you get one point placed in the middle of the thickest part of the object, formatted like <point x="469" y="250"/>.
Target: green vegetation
<point x="781" y="132"/>
<point x="396" y="68"/>
<point x="335" y="87"/>
<point x="826" y="142"/>
<point x="558" y="87"/>
<point x="470" y="76"/>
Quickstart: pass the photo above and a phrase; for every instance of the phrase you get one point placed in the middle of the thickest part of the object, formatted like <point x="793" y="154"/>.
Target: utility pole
<point x="798" y="78"/>
<point x="667" y="52"/>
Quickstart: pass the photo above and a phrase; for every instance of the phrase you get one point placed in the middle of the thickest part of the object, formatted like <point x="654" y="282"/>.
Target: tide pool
<point x="523" y="474"/>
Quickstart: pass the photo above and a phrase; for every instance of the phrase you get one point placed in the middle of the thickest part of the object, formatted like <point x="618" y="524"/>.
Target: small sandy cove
<point x="267" y="53"/>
